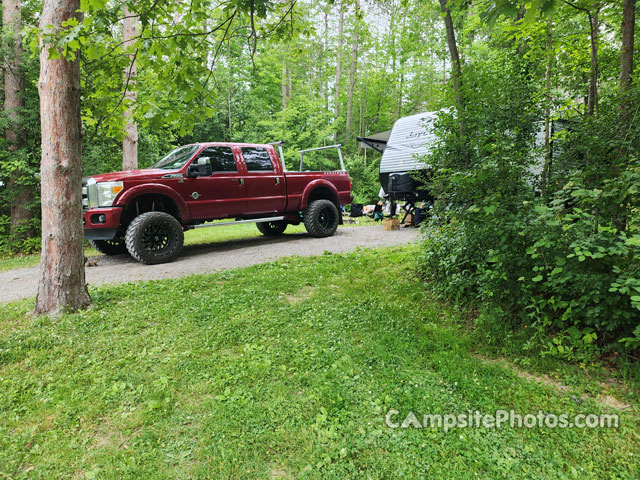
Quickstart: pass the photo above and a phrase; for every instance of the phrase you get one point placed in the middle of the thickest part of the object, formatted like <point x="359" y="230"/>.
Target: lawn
<point x="197" y="236"/>
<point x="281" y="370"/>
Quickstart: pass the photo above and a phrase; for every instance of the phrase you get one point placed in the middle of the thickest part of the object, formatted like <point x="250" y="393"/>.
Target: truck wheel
<point x="321" y="218"/>
<point x="272" y="229"/>
<point x="109" y="247"/>
<point x="154" y="237"/>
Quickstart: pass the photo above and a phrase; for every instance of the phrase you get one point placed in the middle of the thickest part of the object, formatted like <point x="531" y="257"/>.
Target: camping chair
<point x="378" y="213"/>
<point x="356" y="210"/>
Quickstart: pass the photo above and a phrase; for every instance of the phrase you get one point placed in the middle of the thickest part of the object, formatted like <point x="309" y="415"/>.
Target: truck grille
<point x="89" y="193"/>
<point x="85" y="195"/>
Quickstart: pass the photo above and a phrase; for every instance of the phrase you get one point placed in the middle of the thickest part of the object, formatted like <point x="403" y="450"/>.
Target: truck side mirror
<point x="199" y="170"/>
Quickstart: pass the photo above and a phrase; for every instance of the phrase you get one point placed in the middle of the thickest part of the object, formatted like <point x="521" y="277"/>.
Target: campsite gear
<point x="378" y="214"/>
<point x="356" y="210"/>
<point x="391" y="224"/>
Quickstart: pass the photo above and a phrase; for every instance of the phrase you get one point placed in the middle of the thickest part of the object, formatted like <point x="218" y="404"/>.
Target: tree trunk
<point x="290" y="73"/>
<point x="456" y="71"/>
<point x="284" y="85"/>
<point x="21" y="216"/>
<point x="626" y="53"/>
<point x="229" y="75"/>
<point x="62" y="282"/>
<point x="546" y="169"/>
<point x="325" y="88"/>
<point x="130" y="143"/>
<point x="352" y="81"/>
<point x="398" y="113"/>
<point x="338" y="59"/>
<point x="13" y="74"/>
<point x="594" y="29"/>
<point x="21" y="226"/>
<point x="394" y="70"/>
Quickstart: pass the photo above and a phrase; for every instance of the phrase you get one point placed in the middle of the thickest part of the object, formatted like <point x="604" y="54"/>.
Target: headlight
<point x="107" y="192"/>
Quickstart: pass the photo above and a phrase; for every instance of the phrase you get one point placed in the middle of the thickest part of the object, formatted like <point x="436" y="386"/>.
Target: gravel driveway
<point x="207" y="258"/>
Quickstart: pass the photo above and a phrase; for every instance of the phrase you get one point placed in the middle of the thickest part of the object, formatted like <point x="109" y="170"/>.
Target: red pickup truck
<point x="146" y="212"/>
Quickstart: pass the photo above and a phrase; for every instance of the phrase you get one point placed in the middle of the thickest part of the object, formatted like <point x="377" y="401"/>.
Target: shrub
<point x="559" y="262"/>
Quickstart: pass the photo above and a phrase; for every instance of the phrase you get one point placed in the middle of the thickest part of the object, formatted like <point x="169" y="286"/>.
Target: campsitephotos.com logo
<point x="498" y="419"/>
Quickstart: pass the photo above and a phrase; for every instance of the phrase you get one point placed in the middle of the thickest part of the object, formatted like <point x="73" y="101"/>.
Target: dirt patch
<point x="540" y="378"/>
<point x="278" y="472"/>
<point x="303" y="294"/>
<point x="603" y="399"/>
<point x="613" y="402"/>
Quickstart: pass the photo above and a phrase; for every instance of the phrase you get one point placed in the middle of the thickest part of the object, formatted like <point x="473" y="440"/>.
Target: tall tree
<point x="130" y="142"/>
<point x="626" y="52"/>
<point x="352" y="81"/>
<point x="546" y="169"/>
<point x="456" y="70"/>
<point x="338" y="59"/>
<point x="325" y="56"/>
<point x="229" y="93"/>
<point x="593" y="16"/>
<point x="62" y="278"/>
<point x="284" y="84"/>
<point x="21" y="215"/>
<point x="592" y="102"/>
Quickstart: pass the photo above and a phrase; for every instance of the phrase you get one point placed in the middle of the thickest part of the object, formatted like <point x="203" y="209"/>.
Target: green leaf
<point x="491" y="209"/>
<point x="532" y="12"/>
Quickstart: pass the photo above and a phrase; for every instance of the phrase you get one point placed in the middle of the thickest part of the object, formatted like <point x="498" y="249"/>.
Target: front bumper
<point x="101" y="223"/>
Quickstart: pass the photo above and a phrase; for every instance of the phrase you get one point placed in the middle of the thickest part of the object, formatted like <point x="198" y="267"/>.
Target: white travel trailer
<point x="403" y="150"/>
<point x="412" y="138"/>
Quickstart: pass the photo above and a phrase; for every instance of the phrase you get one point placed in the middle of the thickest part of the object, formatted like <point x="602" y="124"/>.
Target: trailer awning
<point x="377" y="141"/>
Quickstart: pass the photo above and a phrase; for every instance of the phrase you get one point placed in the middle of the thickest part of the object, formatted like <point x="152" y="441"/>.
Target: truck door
<point x="265" y="182"/>
<point x="220" y="195"/>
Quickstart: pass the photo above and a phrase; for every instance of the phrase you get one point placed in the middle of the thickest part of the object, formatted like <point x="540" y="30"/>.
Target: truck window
<point x="220" y="158"/>
<point x="177" y="158"/>
<point x="257" y="159"/>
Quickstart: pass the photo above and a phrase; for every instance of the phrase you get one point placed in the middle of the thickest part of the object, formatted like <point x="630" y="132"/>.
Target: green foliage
<point x="554" y="259"/>
<point x="365" y="184"/>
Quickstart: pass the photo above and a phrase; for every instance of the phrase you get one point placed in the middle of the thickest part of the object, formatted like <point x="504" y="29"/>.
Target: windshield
<point x="177" y="158"/>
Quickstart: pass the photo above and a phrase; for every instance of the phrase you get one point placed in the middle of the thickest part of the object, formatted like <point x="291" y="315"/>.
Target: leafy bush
<point x="560" y="262"/>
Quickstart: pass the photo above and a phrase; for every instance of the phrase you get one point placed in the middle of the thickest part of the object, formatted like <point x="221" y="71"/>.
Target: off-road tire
<point x="154" y="237"/>
<point x="109" y="247"/>
<point x="272" y="229"/>
<point x="321" y="218"/>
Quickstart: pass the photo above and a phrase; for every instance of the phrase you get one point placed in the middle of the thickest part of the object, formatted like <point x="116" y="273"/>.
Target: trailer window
<point x="220" y="158"/>
<point x="257" y="159"/>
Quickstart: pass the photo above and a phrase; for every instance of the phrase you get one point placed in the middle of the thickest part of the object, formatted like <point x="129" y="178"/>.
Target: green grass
<point x="281" y="370"/>
<point x="192" y="237"/>
<point x="18" y="261"/>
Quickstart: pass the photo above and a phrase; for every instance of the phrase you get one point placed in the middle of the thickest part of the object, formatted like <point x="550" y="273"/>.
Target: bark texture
<point x="21" y="215"/>
<point x="626" y="52"/>
<point x="61" y="286"/>
<point x="130" y="142"/>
